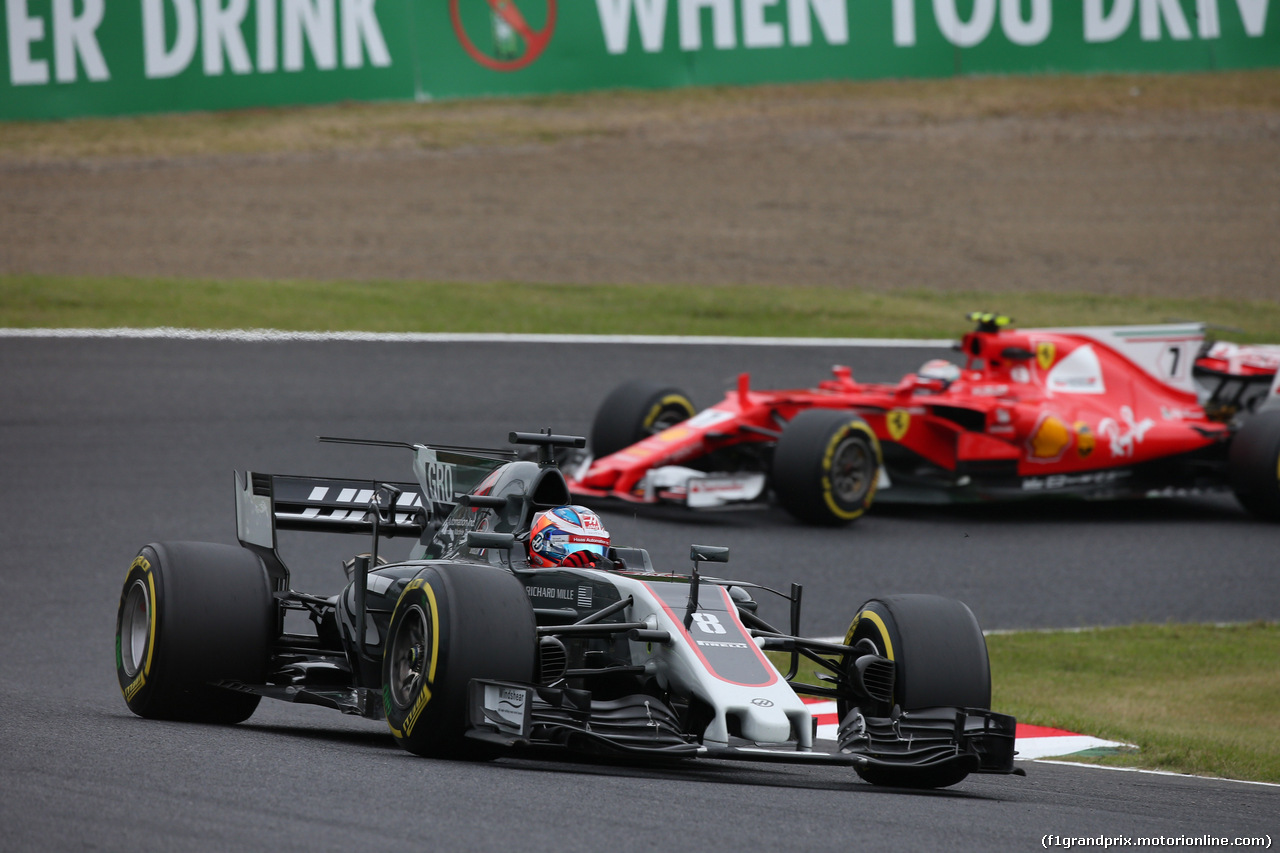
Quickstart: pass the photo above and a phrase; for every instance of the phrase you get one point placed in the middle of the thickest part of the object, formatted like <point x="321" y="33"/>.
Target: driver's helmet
<point x="559" y="532"/>
<point x="939" y="368"/>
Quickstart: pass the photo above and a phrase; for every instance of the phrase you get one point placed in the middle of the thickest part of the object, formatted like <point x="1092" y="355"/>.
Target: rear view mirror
<point x="497" y="541"/>
<point x="708" y="553"/>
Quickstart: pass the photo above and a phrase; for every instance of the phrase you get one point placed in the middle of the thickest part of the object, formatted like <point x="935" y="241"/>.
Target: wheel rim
<point x="873" y="709"/>
<point x="408" y="652"/>
<point x="667" y="418"/>
<point x="135" y="628"/>
<point x="851" y="471"/>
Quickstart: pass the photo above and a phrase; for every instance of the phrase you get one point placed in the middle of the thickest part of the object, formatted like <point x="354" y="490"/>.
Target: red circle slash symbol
<point x="509" y="28"/>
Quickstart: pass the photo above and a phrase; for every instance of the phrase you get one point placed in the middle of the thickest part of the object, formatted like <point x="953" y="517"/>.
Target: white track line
<point x="276" y="335"/>
<point x="1155" y="772"/>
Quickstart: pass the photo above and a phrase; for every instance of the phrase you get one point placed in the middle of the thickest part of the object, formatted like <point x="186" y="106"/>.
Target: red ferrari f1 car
<point x="1107" y="412"/>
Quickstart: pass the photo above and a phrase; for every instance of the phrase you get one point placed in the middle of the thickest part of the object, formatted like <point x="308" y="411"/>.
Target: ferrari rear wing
<point x="1239" y="378"/>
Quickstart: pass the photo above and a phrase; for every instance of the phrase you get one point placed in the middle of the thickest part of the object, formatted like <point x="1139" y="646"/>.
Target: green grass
<point x="60" y="301"/>
<point x="36" y="301"/>
<point x="1194" y="698"/>
<point x="1199" y="699"/>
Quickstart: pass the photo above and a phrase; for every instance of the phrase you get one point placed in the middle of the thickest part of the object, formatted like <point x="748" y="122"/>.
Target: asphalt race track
<point x="108" y="444"/>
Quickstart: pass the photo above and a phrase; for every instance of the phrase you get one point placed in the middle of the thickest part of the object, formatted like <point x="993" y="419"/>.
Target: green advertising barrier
<point x="115" y="57"/>
<point x="112" y="57"/>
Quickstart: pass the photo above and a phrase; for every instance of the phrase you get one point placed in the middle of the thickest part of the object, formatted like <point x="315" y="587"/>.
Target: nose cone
<point x="765" y="724"/>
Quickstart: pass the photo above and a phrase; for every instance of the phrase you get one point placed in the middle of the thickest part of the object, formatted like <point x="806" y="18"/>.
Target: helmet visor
<point x="570" y="547"/>
<point x="559" y="544"/>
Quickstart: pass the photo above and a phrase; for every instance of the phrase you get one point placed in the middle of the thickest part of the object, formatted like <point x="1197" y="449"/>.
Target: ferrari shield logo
<point x="1045" y="352"/>
<point x="898" y="421"/>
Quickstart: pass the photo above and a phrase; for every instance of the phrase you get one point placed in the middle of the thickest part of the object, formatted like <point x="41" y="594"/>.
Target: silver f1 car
<point x="467" y="651"/>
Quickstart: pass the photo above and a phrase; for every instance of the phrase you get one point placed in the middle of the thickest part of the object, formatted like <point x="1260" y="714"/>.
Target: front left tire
<point x="940" y="660"/>
<point x="451" y="624"/>
<point x="826" y="467"/>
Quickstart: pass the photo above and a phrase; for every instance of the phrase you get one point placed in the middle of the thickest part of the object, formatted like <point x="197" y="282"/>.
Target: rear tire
<point x="940" y="657"/>
<point x="826" y="467"/>
<point x="634" y="411"/>
<point x="192" y="613"/>
<point x="1253" y="465"/>
<point x="452" y="624"/>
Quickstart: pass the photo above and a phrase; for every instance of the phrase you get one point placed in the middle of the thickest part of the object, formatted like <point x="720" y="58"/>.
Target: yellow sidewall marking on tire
<point x="412" y="719"/>
<point x="424" y="697"/>
<point x="669" y="400"/>
<point x="435" y="633"/>
<point x="879" y="459"/>
<point x="151" y="631"/>
<point x="134" y="687"/>
<point x="138" y="562"/>
<point x="138" y="683"/>
<point x="416" y="583"/>
<point x="875" y="619"/>
<point x="828" y="496"/>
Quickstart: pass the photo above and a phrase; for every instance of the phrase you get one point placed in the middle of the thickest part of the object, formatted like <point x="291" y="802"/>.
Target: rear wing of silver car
<point x="266" y="503"/>
<point x="269" y="502"/>
<point x="330" y="505"/>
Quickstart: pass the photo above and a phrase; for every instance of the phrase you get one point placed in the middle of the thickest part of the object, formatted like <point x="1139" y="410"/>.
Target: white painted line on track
<point x="1035" y="748"/>
<point x="1155" y="772"/>
<point x="276" y="335"/>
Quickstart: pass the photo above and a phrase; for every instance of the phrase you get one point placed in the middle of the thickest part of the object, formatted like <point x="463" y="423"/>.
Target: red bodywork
<point x="1033" y="407"/>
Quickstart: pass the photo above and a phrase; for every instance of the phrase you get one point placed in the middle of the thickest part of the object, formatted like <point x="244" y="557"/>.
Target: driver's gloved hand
<point x="584" y="560"/>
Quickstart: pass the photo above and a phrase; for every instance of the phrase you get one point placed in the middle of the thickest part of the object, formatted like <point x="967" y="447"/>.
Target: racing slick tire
<point x="450" y="625"/>
<point x="1253" y="465"/>
<point x="193" y="613"/>
<point x="826" y="467"/>
<point x="634" y="411"/>
<point x="940" y="659"/>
